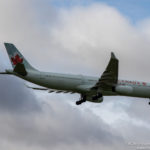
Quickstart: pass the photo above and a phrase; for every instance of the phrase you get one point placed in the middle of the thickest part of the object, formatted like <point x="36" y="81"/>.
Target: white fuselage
<point x="82" y="84"/>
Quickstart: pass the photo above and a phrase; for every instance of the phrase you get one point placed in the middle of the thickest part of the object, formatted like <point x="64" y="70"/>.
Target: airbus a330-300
<point x="90" y="88"/>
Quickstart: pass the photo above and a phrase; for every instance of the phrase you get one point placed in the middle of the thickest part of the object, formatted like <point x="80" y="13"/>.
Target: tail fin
<point x="19" y="63"/>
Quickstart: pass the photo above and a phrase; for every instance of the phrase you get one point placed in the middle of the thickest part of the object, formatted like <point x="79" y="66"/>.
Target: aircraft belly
<point x="54" y="82"/>
<point x="78" y="86"/>
<point x="61" y="84"/>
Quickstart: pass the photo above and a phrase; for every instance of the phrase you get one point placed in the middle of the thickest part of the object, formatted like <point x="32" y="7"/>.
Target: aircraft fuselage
<point x="90" y="88"/>
<point x="81" y="84"/>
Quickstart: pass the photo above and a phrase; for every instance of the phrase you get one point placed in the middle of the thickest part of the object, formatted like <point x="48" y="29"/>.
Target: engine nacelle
<point x="98" y="100"/>
<point x="125" y="90"/>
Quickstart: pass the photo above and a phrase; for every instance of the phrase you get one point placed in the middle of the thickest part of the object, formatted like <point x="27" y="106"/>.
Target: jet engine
<point x="125" y="90"/>
<point x="98" y="98"/>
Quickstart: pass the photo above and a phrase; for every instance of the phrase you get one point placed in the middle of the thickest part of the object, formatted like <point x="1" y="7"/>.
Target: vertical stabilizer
<point x="19" y="63"/>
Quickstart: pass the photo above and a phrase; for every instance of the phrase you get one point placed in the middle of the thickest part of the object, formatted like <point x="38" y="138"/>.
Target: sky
<point x="76" y="37"/>
<point x="135" y="10"/>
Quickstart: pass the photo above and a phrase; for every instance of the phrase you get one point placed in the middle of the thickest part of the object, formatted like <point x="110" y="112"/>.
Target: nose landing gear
<point x="82" y="100"/>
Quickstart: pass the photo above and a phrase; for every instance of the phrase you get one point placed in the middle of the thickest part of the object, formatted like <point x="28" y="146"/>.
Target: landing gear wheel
<point x="83" y="99"/>
<point x="149" y="101"/>
<point x="78" y="102"/>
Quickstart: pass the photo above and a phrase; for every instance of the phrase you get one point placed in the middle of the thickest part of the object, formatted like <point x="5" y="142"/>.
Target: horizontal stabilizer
<point x="4" y="73"/>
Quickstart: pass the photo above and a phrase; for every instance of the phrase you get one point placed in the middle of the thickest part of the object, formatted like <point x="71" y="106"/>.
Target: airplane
<point x="91" y="89"/>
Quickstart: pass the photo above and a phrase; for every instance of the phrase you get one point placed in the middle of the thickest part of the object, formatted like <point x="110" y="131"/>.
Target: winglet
<point x="113" y="55"/>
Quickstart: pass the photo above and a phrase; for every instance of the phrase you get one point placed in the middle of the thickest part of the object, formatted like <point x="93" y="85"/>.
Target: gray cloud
<point x="15" y="97"/>
<point x="63" y="126"/>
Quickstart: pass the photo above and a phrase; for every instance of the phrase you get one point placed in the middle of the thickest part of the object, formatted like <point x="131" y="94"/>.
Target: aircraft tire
<point x="78" y="103"/>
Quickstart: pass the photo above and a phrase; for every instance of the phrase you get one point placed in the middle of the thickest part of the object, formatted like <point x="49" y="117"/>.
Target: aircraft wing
<point x="49" y="90"/>
<point x="36" y="88"/>
<point x="109" y="77"/>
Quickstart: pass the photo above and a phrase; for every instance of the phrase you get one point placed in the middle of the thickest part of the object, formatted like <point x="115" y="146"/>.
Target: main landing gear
<point x="82" y="100"/>
<point x="149" y="101"/>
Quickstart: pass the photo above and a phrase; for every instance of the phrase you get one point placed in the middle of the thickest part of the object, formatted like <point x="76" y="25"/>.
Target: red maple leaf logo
<point x="16" y="60"/>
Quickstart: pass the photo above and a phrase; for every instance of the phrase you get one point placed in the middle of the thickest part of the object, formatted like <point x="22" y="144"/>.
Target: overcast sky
<point x="74" y="36"/>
